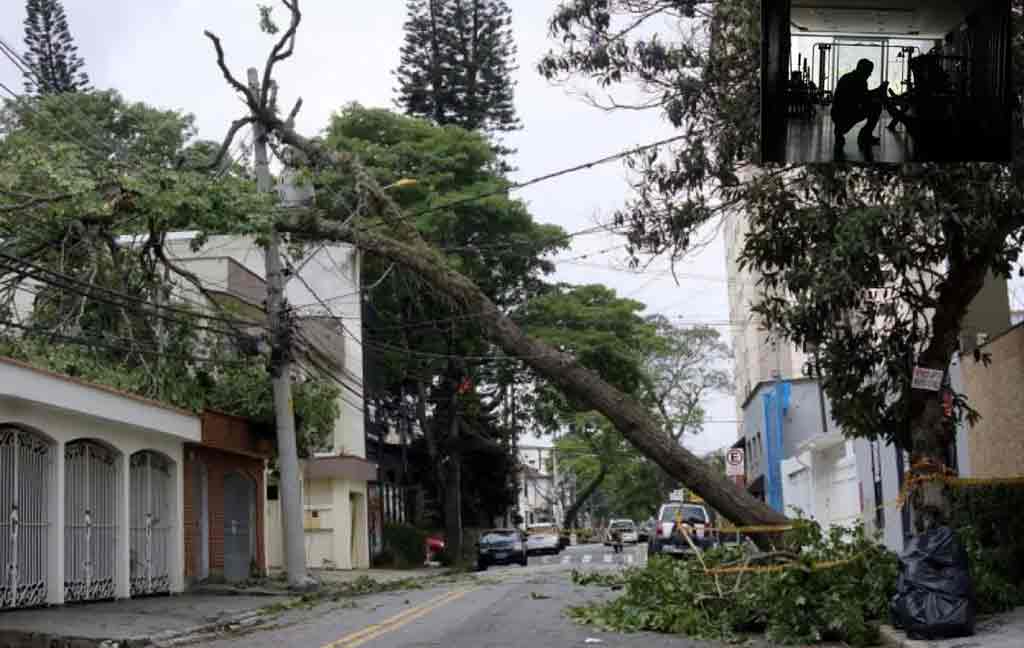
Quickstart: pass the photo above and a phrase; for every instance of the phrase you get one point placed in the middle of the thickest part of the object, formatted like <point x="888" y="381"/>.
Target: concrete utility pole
<point x="280" y="372"/>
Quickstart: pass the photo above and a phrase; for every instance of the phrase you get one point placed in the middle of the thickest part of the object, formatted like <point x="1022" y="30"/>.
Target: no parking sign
<point x="734" y="462"/>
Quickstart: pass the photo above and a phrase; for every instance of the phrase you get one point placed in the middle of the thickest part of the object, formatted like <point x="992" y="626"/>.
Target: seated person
<point x="852" y="102"/>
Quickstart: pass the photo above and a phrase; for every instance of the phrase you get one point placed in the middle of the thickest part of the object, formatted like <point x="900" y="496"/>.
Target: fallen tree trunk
<point x="632" y="420"/>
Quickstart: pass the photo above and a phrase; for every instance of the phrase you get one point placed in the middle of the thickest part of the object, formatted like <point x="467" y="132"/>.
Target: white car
<point x="542" y="538"/>
<point x="626" y="529"/>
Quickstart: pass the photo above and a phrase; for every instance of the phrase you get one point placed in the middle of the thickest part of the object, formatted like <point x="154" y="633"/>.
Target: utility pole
<point x="280" y="373"/>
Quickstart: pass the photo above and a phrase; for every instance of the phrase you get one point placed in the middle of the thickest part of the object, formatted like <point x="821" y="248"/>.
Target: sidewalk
<point x="186" y="618"/>
<point x="996" y="631"/>
<point x="130" y="623"/>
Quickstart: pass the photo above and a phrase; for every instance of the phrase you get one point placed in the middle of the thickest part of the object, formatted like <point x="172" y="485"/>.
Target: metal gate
<point x="151" y="484"/>
<point x="239" y="503"/>
<point x="25" y="460"/>
<point x="91" y="495"/>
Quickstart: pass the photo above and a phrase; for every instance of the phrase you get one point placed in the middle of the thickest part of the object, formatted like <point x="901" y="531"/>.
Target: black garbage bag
<point x="934" y="592"/>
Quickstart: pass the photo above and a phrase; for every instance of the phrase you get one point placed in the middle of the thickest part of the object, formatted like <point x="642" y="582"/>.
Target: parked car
<point x="501" y="547"/>
<point x="625" y="528"/>
<point x="543" y="538"/>
<point x="673" y="518"/>
<point x="645" y="531"/>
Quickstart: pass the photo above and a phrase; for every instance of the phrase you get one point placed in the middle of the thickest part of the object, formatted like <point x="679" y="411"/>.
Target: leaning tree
<point x="376" y="225"/>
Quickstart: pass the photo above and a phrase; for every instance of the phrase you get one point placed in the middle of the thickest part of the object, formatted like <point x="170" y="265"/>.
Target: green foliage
<point x="987" y="519"/>
<point x="605" y="333"/>
<point x="406" y="543"/>
<point x="410" y="332"/>
<point x="795" y="606"/>
<point x="441" y="79"/>
<point x="227" y="382"/>
<point x="52" y="57"/>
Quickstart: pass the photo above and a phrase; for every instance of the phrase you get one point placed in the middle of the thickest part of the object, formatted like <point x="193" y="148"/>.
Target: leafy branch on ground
<point x="800" y="605"/>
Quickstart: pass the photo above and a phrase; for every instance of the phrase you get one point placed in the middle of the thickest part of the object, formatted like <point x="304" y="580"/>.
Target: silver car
<point x="542" y="538"/>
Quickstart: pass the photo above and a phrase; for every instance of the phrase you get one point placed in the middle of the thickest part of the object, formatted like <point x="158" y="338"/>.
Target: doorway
<point x="239" y="507"/>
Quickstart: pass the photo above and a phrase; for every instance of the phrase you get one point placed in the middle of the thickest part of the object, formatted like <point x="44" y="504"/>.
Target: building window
<point x="271" y="492"/>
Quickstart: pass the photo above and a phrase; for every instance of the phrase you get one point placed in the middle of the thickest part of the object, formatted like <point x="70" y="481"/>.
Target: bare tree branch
<point x="280" y="52"/>
<point x="230" y="78"/>
<point x="236" y="125"/>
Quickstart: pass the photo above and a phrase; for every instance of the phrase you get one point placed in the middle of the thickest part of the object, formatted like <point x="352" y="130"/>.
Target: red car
<point x="434" y="545"/>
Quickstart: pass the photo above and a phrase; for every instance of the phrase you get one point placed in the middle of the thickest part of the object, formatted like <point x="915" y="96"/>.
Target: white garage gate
<point x="151" y="484"/>
<point x="26" y="459"/>
<point x="90" y="521"/>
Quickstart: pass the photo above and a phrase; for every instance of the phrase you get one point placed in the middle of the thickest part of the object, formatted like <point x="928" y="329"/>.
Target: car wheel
<point x="481" y="566"/>
<point x="524" y="561"/>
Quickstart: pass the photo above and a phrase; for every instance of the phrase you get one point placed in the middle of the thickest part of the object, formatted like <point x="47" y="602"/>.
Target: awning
<point x="821" y="442"/>
<point x="339" y="467"/>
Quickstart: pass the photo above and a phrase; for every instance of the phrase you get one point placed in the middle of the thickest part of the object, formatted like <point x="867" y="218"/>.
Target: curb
<point x="166" y="639"/>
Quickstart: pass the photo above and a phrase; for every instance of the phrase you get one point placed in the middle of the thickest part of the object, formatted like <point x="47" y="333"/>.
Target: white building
<point x="540" y="498"/>
<point x="91" y="500"/>
<point x="327" y="301"/>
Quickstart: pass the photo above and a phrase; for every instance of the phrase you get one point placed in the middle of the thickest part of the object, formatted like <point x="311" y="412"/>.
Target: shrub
<point x="988" y="522"/>
<point x="406" y="543"/>
<point x="797" y="605"/>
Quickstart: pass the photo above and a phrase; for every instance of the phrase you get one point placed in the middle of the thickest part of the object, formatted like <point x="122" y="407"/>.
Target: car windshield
<point x="542" y="530"/>
<point x="494" y="537"/>
<point x="689" y="511"/>
<point x="623" y="526"/>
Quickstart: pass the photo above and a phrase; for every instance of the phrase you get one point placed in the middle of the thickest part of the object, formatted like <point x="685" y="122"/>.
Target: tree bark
<point x="583" y="496"/>
<point x="632" y="420"/>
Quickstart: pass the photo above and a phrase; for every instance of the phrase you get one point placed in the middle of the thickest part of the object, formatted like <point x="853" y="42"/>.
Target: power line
<point x="547" y="176"/>
<point x="135" y="346"/>
<point x="15" y="264"/>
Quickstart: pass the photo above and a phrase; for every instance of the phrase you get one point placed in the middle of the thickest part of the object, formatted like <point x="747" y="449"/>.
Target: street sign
<point x="927" y="379"/>
<point x="734" y="462"/>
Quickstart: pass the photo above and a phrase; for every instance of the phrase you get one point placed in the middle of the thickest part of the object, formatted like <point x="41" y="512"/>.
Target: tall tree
<point x="54" y="66"/>
<point x="821" y="236"/>
<point x="414" y="337"/>
<point x="456" y="64"/>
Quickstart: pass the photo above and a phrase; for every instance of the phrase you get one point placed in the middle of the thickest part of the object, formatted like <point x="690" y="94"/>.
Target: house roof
<point x="91" y="385"/>
<point x="21" y="381"/>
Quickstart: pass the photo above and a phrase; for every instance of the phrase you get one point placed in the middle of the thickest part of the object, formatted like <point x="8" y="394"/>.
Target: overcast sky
<point x="154" y="51"/>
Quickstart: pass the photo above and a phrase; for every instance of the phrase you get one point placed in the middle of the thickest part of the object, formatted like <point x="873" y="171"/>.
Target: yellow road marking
<point x="373" y="631"/>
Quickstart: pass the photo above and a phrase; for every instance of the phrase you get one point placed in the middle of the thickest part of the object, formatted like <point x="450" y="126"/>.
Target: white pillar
<point x="122" y="583"/>
<point x="176" y="553"/>
<point x="55" y="532"/>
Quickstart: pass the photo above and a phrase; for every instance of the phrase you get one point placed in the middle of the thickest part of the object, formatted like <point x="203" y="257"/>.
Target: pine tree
<point x="456" y="64"/>
<point x="52" y="57"/>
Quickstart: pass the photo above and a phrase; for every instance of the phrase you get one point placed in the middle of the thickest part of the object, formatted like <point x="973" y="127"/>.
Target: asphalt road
<point x="507" y="607"/>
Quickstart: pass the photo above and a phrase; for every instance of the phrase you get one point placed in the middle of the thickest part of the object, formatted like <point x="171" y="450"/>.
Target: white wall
<point x="333" y="272"/>
<point x="823" y="484"/>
